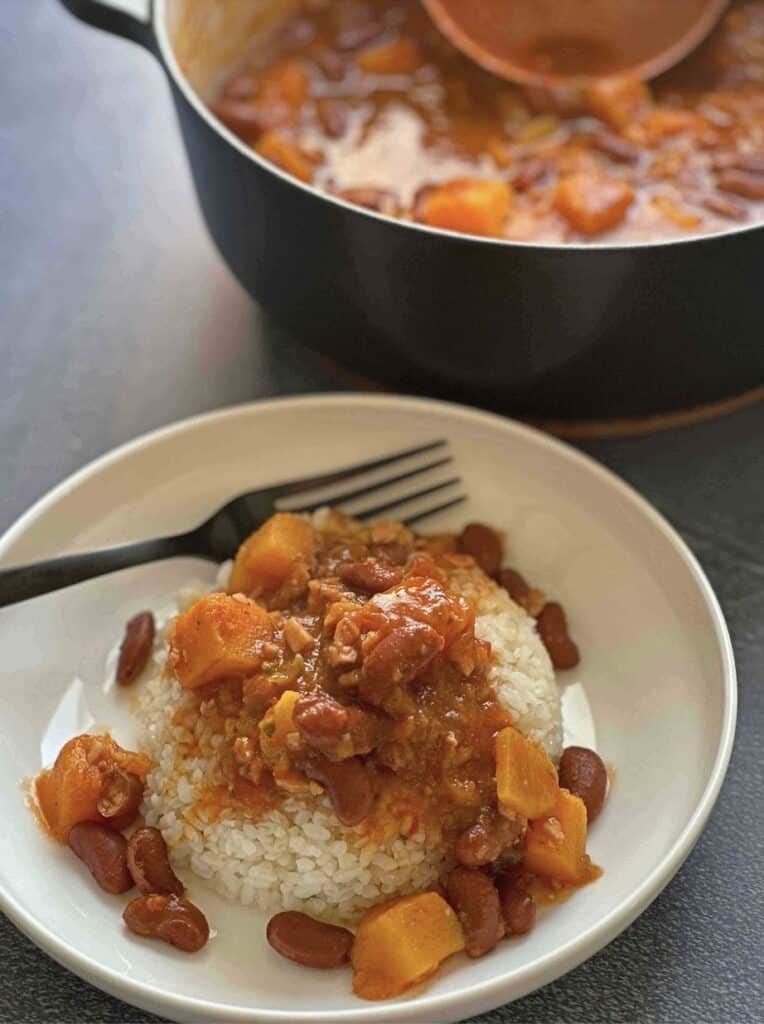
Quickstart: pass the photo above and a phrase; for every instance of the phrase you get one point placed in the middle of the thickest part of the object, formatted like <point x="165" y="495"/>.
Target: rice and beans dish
<point x="359" y="735"/>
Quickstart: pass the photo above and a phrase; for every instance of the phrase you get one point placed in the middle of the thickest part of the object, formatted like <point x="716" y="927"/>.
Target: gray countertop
<point x="117" y="316"/>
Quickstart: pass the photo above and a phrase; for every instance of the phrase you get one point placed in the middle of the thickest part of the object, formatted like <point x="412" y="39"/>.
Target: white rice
<point x="300" y="856"/>
<point x="522" y="674"/>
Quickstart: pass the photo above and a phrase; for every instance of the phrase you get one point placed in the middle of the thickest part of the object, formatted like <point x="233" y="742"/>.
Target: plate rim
<point x="481" y="995"/>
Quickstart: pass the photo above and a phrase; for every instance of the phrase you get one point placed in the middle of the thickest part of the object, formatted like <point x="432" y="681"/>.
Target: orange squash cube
<point x="618" y="100"/>
<point x="556" y="845"/>
<point x="679" y="215"/>
<point x="402" y="942"/>
<point x="220" y="635"/>
<point x="277" y="724"/>
<point x="473" y="206"/>
<point x="286" y="155"/>
<point x="285" y="82"/>
<point x="526" y="780"/>
<point x="68" y="792"/>
<point x="268" y="558"/>
<point x="400" y="57"/>
<point x="665" y="122"/>
<point x="592" y="203"/>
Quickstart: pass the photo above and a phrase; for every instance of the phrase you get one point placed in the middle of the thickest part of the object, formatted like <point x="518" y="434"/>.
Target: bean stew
<point x="367" y="101"/>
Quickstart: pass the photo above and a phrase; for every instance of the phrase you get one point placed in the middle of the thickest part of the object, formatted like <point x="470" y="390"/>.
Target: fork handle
<point x="24" y="581"/>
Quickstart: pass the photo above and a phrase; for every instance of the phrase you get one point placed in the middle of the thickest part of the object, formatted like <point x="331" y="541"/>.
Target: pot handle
<point x="115" y="19"/>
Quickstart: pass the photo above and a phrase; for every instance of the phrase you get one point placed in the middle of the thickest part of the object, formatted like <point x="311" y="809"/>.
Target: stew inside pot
<point x="366" y="100"/>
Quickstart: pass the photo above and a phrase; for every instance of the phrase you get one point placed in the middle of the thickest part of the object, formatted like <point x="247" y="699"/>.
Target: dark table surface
<point x="117" y="316"/>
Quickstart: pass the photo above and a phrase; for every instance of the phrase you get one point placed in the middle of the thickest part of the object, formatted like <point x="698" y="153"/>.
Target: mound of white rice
<point x="300" y="856"/>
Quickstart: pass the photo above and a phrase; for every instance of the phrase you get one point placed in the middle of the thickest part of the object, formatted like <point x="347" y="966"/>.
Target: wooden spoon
<point x="541" y="42"/>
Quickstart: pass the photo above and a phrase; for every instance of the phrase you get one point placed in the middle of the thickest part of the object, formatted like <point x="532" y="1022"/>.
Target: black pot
<point x="568" y="332"/>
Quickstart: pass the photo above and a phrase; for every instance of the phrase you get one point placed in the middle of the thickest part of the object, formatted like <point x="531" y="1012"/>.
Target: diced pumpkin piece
<point x="592" y="203"/>
<point x="268" y="558"/>
<point x="473" y="206"/>
<point x="526" y="780"/>
<point x="220" y="635"/>
<point x="399" y="57"/>
<point x="556" y="845"/>
<point x="665" y="122"/>
<point x="402" y="942"/>
<point x="286" y="155"/>
<point x="618" y="100"/>
<point x="69" y="792"/>
<point x="285" y="82"/>
<point x="680" y="216"/>
<point x="277" y="724"/>
<point x="537" y="128"/>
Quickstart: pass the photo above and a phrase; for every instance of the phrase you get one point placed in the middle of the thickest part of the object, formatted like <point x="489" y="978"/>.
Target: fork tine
<point x="404" y="499"/>
<point x="410" y="520"/>
<point x="336" y="499"/>
<point x="300" y="486"/>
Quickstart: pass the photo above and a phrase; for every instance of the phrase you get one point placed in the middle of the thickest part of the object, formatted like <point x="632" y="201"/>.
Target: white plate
<point x="657" y="671"/>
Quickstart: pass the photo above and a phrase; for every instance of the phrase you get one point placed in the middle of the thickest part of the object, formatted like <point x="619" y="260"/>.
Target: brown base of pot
<point x="597" y="428"/>
<point x="634" y="427"/>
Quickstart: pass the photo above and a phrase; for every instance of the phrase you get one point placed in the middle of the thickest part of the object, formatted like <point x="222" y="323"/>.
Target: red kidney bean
<point x="398" y="658"/>
<point x="474" y="898"/>
<point x="723" y="206"/>
<point x="484" y="544"/>
<point x="307" y="941"/>
<point x="347" y="784"/>
<point x="514" y="583"/>
<point x="120" y="799"/>
<point x="751" y="162"/>
<point x="371" y="576"/>
<point x="553" y="630"/>
<point x="517" y="907"/>
<point x="521" y="591"/>
<point x="394" y="552"/>
<point x="332" y="65"/>
<point x="333" y="115"/>
<point x="529" y="173"/>
<point x="149" y="863"/>
<point x="419" y="201"/>
<point x="741" y="183"/>
<point x="583" y="772"/>
<point x="487" y="839"/>
<point x="168" y="918"/>
<point x="336" y="731"/>
<point x="617" y="148"/>
<point x="136" y="647"/>
<point x="243" y="118"/>
<point x="104" y="852"/>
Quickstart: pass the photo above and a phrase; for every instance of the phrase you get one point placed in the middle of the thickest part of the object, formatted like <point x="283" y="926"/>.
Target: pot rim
<point x="166" y="53"/>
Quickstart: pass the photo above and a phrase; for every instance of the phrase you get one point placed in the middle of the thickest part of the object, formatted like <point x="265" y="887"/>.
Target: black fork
<point x="219" y="536"/>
